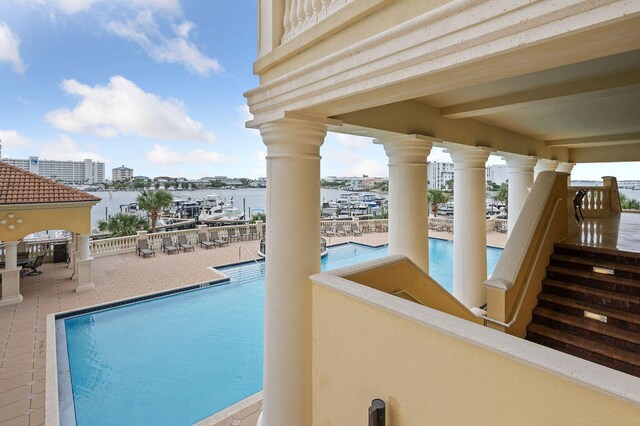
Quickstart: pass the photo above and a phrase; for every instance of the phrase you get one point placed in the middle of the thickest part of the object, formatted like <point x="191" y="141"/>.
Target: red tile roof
<point x="18" y="186"/>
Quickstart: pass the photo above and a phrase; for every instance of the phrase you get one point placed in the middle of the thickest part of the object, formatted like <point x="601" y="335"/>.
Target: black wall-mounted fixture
<point x="377" y="413"/>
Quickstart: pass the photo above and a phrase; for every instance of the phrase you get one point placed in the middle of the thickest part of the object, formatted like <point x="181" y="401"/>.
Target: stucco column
<point x="469" y="225"/>
<point x="293" y="254"/>
<point x="10" y="275"/>
<point x="83" y="264"/>
<point x="408" y="198"/>
<point x="520" y="174"/>
<point x="566" y="168"/>
<point x="544" y="165"/>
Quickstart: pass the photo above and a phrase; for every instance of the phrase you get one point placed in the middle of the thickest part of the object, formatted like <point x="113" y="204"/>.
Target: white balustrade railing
<point x="327" y="227"/>
<point x="302" y="14"/>
<point x="109" y="246"/>
<point x="37" y="248"/>
<point x="596" y="202"/>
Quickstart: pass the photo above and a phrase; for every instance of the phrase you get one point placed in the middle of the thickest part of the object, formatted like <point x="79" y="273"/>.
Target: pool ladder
<point x="252" y="256"/>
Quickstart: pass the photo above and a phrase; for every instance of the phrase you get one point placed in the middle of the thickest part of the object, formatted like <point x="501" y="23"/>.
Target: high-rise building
<point x="438" y="174"/>
<point x="121" y="174"/>
<point x="497" y="173"/>
<point x="73" y="172"/>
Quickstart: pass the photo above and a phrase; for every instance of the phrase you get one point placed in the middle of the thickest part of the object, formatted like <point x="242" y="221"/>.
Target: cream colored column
<point x="83" y="264"/>
<point x="520" y="174"/>
<point x="544" y="165"/>
<point x="408" y="200"/>
<point x="10" y="275"/>
<point x="469" y="225"/>
<point x="566" y="168"/>
<point x="293" y="254"/>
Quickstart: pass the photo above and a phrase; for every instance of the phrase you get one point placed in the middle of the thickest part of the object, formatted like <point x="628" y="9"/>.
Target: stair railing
<point x="517" y="279"/>
<point x="250" y="254"/>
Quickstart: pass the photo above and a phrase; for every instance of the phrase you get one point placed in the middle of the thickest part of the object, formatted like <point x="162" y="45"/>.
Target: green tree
<point x="217" y="183"/>
<point x="259" y="216"/>
<point x="629" y="203"/>
<point x="448" y="186"/>
<point x="153" y="201"/>
<point x="245" y="183"/>
<point x="437" y="197"/>
<point x="123" y="224"/>
<point x="503" y="196"/>
<point x="492" y="186"/>
<point x="156" y="185"/>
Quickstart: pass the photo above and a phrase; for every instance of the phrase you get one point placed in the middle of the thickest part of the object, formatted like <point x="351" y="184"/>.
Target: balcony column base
<point x="83" y="265"/>
<point x="10" y="286"/>
<point x="293" y="239"/>
<point x="408" y="199"/>
<point x="469" y="225"/>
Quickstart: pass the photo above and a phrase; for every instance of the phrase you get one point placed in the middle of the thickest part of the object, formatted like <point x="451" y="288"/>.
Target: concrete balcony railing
<point x="599" y="201"/>
<point x="300" y="15"/>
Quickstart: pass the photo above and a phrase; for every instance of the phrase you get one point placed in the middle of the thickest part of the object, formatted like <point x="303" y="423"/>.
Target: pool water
<point x="178" y="359"/>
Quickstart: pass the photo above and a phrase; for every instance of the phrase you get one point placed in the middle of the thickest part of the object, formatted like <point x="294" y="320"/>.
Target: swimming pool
<point x="178" y="359"/>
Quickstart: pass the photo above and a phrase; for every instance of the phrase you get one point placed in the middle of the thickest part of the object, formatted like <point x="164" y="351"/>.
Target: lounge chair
<point x="253" y="232"/>
<point x="203" y="240"/>
<point x="340" y="232"/>
<point x="244" y="235"/>
<point x="144" y="249"/>
<point x="31" y="268"/>
<point x="330" y="230"/>
<point x="219" y="241"/>
<point x="232" y="233"/>
<point x="168" y="247"/>
<point x="184" y="244"/>
<point x="355" y="230"/>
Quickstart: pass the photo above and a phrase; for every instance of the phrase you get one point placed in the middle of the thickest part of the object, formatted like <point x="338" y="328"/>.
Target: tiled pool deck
<point x="22" y="326"/>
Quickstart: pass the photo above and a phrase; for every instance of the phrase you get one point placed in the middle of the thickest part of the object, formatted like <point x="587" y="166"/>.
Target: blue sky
<point x="155" y="85"/>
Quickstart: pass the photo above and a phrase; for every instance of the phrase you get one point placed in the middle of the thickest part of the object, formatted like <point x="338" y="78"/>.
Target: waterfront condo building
<point x="71" y="172"/>
<point x="121" y="174"/>
<point x="543" y="84"/>
<point x="439" y="173"/>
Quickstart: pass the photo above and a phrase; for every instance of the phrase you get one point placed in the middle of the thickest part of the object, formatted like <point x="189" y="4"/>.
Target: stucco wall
<point x="34" y="219"/>
<point x="429" y="376"/>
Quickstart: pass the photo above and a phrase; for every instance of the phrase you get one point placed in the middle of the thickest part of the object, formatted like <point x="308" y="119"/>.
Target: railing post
<point x="260" y="228"/>
<point x="496" y="289"/>
<point x="610" y="184"/>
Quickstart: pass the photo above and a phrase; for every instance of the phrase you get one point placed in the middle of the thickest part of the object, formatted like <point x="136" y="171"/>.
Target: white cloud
<point x="65" y="148"/>
<point x="122" y="108"/>
<point x="71" y="7"/>
<point x="161" y="154"/>
<point x="13" y="139"/>
<point x="10" y="48"/>
<point x="145" y="31"/>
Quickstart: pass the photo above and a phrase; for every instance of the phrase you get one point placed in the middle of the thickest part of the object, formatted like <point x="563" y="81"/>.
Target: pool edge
<point x="231" y="410"/>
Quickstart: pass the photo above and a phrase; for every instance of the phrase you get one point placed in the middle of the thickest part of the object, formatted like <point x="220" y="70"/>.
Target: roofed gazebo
<point x="30" y="203"/>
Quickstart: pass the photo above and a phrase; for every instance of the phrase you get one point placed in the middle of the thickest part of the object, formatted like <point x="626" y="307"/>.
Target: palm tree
<point x="629" y="203"/>
<point x="437" y="197"/>
<point x="503" y="196"/>
<point x="152" y="201"/>
<point x="122" y="224"/>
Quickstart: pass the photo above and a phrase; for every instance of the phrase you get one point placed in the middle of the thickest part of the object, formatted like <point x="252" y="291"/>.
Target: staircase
<point x="594" y="315"/>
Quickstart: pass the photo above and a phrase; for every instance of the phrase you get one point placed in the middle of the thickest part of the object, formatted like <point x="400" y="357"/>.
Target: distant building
<point x="438" y="174"/>
<point x="497" y="173"/>
<point x="73" y="172"/>
<point x="121" y="174"/>
<point x="144" y="178"/>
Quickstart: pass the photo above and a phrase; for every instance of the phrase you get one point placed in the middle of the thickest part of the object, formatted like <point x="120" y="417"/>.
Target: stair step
<point x="619" y="359"/>
<point x="593" y="279"/>
<point x="589" y="326"/>
<point x="581" y="263"/>
<point x="611" y="255"/>
<point x="597" y="296"/>
<point x="615" y="317"/>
